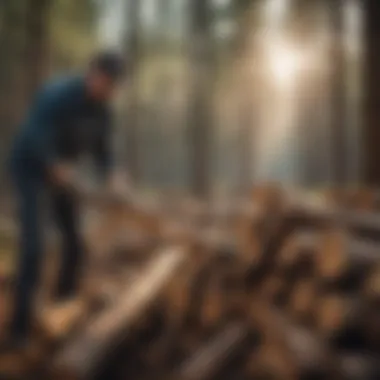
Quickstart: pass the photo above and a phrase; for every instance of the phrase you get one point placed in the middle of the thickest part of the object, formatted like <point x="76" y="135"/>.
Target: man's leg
<point x="29" y="261"/>
<point x="66" y="214"/>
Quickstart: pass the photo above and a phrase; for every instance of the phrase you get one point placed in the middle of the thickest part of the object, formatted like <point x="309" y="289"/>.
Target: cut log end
<point x="331" y="261"/>
<point x="302" y="301"/>
<point x="297" y="246"/>
<point x="372" y="285"/>
<point x="270" y="363"/>
<point x="332" y="313"/>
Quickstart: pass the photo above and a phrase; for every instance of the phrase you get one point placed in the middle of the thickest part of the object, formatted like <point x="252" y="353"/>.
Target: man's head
<point x="105" y="71"/>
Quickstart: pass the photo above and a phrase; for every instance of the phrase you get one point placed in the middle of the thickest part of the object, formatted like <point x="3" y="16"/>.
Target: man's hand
<point x="119" y="186"/>
<point x="62" y="175"/>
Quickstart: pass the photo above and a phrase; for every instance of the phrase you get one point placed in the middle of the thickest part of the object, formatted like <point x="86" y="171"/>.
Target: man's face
<point x="100" y="86"/>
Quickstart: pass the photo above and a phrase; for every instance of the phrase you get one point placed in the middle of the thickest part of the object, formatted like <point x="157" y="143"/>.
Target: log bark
<point x="88" y="350"/>
<point x="348" y="322"/>
<point x="371" y="288"/>
<point x="299" y="251"/>
<point x="346" y="262"/>
<point x="306" y="355"/>
<point x="211" y="358"/>
<point x="302" y="301"/>
<point x="359" y="366"/>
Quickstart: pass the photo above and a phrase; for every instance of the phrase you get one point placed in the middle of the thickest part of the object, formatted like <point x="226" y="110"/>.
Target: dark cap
<point x="110" y="63"/>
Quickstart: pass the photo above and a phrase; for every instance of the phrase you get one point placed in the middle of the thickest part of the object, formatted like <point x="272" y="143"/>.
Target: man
<point x="69" y="117"/>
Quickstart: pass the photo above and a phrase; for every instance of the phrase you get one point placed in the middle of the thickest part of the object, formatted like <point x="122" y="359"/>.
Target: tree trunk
<point x="36" y="49"/>
<point x="133" y="51"/>
<point x="338" y="130"/>
<point x="371" y="135"/>
<point x="200" y="118"/>
<point x="248" y="89"/>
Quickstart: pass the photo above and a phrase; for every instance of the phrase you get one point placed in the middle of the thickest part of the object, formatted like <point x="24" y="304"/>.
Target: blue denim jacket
<point x="63" y="123"/>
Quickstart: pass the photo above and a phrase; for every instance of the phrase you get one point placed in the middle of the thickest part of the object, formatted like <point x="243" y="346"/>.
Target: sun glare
<point x="284" y="63"/>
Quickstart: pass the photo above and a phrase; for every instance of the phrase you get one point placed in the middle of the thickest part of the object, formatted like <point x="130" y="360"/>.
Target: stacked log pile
<point x="282" y="286"/>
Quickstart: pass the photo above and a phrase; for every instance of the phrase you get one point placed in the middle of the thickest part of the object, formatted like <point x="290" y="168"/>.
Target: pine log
<point x="211" y="358"/>
<point x="302" y="300"/>
<point x="301" y="247"/>
<point x="346" y="261"/>
<point x="371" y="288"/>
<point x="359" y="366"/>
<point x="83" y="356"/>
<point x="305" y="355"/>
<point x="348" y="321"/>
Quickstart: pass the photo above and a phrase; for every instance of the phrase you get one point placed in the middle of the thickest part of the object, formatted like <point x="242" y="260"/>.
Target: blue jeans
<point x="31" y="188"/>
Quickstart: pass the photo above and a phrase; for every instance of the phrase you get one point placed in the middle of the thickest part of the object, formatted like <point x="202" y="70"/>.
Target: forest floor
<point x="7" y="261"/>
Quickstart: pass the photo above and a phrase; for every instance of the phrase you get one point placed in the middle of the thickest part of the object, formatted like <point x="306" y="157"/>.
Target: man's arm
<point x="46" y="113"/>
<point x="103" y="149"/>
<point x="50" y="108"/>
<point x="114" y="180"/>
